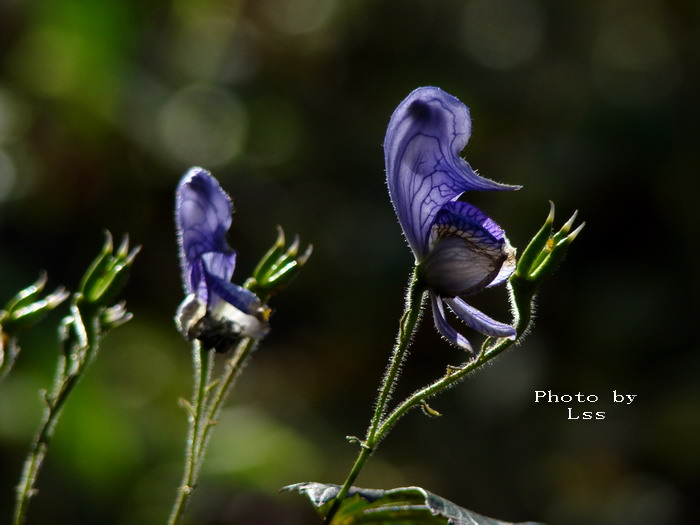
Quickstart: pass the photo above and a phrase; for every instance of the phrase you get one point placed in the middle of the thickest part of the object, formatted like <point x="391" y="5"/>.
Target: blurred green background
<point x="105" y="104"/>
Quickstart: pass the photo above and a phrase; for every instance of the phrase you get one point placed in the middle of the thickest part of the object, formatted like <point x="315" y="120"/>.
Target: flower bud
<point x="107" y="274"/>
<point x="26" y="307"/>
<point x="114" y="316"/>
<point x="277" y="267"/>
<point x="546" y="250"/>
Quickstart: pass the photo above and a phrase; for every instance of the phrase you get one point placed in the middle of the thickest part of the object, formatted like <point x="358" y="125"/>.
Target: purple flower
<point x="216" y="311"/>
<point x="458" y="249"/>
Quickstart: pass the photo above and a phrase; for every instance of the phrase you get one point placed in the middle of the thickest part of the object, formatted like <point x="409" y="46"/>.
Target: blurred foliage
<point x="103" y="106"/>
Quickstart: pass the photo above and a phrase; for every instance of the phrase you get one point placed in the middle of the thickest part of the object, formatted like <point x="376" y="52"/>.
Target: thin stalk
<point x="67" y="376"/>
<point x="415" y="296"/>
<point x="9" y="350"/>
<point x="196" y="414"/>
<point x="233" y="369"/>
<point x="207" y="402"/>
<point x="522" y="293"/>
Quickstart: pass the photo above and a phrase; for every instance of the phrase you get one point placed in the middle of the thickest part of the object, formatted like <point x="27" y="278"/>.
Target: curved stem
<point x="409" y="321"/>
<point x="68" y="373"/>
<point x="522" y="293"/>
<point x="415" y="297"/>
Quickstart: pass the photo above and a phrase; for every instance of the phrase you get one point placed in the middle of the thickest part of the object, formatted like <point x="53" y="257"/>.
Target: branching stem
<point x="69" y="371"/>
<point x="415" y="297"/>
<point x="521" y="292"/>
<point x="203" y="413"/>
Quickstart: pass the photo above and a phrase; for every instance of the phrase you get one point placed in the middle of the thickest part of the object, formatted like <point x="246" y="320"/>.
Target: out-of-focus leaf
<point x="400" y="506"/>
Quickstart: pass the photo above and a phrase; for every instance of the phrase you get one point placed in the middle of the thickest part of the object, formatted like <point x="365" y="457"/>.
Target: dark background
<point x="594" y="105"/>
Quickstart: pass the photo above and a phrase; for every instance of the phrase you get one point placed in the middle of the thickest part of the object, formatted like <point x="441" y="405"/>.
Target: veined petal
<point x="478" y="320"/>
<point x="445" y="328"/>
<point x="467" y="251"/>
<point x="424" y="171"/>
<point x="466" y="216"/>
<point x="220" y="264"/>
<point x="210" y="263"/>
<point x="203" y="216"/>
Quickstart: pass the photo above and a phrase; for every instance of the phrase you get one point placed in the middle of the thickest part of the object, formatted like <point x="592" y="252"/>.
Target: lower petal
<point x="445" y="328"/>
<point x="245" y="300"/>
<point x="478" y="320"/>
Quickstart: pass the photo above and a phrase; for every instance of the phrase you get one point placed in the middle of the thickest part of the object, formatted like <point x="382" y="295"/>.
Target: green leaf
<point x="400" y="506"/>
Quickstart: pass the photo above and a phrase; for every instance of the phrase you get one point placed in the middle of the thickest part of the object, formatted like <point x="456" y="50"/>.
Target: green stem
<point x="9" y="350"/>
<point x="522" y="293"/>
<point x="204" y="410"/>
<point x="196" y="411"/>
<point x="233" y="369"/>
<point x="415" y="297"/>
<point x="67" y="376"/>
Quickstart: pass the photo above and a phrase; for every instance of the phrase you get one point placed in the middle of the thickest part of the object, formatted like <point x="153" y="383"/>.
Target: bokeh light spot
<point x="8" y="176"/>
<point x="502" y="34"/>
<point x="633" y="61"/>
<point x="15" y="117"/>
<point x="203" y="125"/>
<point x="300" y="16"/>
<point x="277" y="130"/>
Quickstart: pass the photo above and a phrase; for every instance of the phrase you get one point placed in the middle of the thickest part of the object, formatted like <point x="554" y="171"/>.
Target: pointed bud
<point x="107" y="274"/>
<point x="26" y="307"/>
<point x="556" y="255"/>
<point x="278" y="267"/>
<point x="546" y="250"/>
<point x="26" y="296"/>
<point x="114" y="316"/>
<point x="272" y="255"/>
<point x="536" y="246"/>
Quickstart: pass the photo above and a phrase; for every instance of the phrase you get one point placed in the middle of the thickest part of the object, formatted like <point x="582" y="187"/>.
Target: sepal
<point x="107" y="274"/>
<point x="546" y="250"/>
<point x="536" y="246"/>
<point x="278" y="267"/>
<point x="114" y="316"/>
<point x="27" y="307"/>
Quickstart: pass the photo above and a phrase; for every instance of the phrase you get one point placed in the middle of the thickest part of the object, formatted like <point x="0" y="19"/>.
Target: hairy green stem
<point x="9" y="350"/>
<point x="195" y="417"/>
<point x="522" y="293"/>
<point x="415" y="297"/>
<point x="234" y="367"/>
<point x="203" y="412"/>
<point x="68" y="373"/>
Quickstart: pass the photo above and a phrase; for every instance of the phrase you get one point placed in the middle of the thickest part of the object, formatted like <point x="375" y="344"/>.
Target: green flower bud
<point x="538" y="243"/>
<point x="26" y="307"/>
<point x="114" y="316"/>
<point x="107" y="274"/>
<point x="546" y="250"/>
<point x="278" y="267"/>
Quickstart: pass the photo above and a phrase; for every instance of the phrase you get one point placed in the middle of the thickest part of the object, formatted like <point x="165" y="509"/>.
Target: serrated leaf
<point x="400" y="506"/>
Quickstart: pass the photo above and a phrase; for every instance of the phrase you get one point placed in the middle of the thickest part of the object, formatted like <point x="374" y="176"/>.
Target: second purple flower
<point x="216" y="311"/>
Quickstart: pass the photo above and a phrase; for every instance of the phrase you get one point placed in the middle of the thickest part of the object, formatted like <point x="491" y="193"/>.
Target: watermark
<point x="546" y="396"/>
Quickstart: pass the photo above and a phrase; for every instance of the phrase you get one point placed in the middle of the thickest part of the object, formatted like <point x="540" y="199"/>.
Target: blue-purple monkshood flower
<point x="458" y="249"/>
<point x="216" y="311"/>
